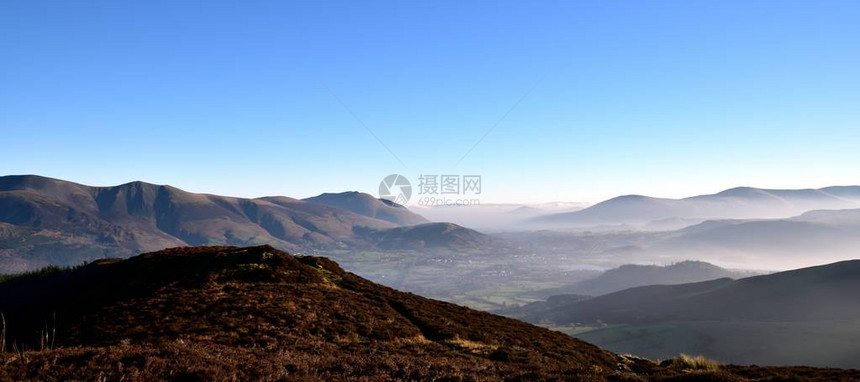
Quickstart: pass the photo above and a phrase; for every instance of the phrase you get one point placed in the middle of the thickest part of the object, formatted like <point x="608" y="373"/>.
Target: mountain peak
<point x="367" y="205"/>
<point x="740" y="191"/>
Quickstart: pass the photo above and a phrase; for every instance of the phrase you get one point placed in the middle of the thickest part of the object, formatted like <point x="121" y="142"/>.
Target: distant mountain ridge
<point x="811" y="238"/>
<point x="735" y="203"/>
<point x="50" y="221"/>
<point x="634" y="275"/>
<point x="808" y="316"/>
<point x="825" y="292"/>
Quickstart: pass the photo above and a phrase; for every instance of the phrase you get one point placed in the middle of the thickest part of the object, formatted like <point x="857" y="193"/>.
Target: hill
<point x="226" y="306"/>
<point x="807" y="316"/>
<point x="821" y="291"/>
<point x="632" y="275"/>
<point x="366" y="205"/>
<point x="219" y="313"/>
<point x="736" y="203"/>
<point x="46" y="221"/>
<point x="428" y="236"/>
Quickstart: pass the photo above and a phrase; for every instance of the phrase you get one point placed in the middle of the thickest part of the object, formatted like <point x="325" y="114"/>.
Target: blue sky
<point x="665" y="98"/>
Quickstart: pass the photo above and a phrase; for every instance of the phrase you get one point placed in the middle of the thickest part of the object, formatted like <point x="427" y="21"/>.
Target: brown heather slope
<point x="226" y="313"/>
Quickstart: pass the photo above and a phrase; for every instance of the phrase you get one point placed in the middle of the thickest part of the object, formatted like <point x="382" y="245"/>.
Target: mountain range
<point x="814" y="237"/>
<point x="736" y="203"/>
<point x="49" y="221"/>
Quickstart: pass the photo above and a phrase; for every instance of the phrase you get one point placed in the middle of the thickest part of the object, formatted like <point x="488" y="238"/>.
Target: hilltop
<point x="366" y="205"/>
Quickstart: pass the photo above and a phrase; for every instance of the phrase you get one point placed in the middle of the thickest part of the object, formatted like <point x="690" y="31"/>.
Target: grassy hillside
<point x="237" y="310"/>
<point x="221" y="313"/>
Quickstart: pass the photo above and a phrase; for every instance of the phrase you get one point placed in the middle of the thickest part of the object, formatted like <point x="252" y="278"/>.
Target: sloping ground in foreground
<point x="226" y="313"/>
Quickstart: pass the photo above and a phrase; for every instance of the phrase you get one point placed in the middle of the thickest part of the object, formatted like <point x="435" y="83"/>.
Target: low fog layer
<point x="495" y="217"/>
<point x="656" y="214"/>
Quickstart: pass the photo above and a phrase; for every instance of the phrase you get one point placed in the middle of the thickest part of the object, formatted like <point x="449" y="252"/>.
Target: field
<point x="479" y="280"/>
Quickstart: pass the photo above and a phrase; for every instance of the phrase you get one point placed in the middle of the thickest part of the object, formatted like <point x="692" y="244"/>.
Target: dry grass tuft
<point x="415" y="340"/>
<point x="471" y="346"/>
<point x="688" y="362"/>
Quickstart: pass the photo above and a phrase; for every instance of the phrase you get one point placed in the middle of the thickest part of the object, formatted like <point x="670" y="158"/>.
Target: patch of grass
<point x="688" y="362"/>
<point x="470" y="346"/>
<point x="414" y="340"/>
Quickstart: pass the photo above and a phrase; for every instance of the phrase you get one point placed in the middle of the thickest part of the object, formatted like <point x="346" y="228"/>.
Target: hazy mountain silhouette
<point x="50" y="221"/>
<point x="735" y="203"/>
<point x="226" y="313"/>
<point x="813" y="237"/>
<point x="489" y="217"/>
<point x="826" y="292"/>
<point x="630" y="276"/>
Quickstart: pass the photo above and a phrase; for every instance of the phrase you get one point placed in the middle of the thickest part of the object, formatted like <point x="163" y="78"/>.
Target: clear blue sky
<point x="651" y="97"/>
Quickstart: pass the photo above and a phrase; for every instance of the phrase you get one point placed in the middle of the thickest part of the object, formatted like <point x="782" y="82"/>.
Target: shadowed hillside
<point x="808" y="316"/>
<point x="816" y="293"/>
